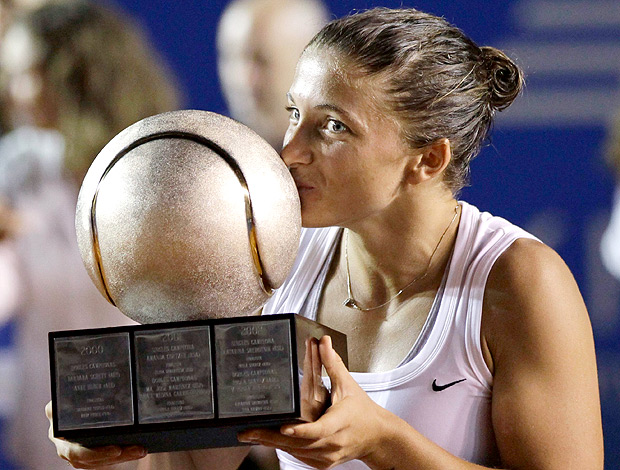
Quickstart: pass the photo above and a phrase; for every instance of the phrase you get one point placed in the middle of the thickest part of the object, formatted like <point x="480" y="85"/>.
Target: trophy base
<point x="184" y="385"/>
<point x="168" y="440"/>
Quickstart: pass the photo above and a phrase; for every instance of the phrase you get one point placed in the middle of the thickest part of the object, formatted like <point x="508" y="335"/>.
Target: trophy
<point x="186" y="221"/>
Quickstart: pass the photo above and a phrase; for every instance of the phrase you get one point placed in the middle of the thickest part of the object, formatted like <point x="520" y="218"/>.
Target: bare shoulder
<point x="527" y="263"/>
<point x="530" y="293"/>
<point x="537" y="341"/>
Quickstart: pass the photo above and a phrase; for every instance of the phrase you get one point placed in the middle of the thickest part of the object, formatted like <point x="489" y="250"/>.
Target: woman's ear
<point x="431" y="161"/>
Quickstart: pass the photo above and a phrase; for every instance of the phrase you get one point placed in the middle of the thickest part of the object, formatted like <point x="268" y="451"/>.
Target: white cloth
<point x="610" y="243"/>
<point x="457" y="418"/>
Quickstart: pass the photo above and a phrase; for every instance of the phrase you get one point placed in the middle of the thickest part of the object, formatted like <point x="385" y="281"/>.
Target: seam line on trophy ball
<point x="232" y="163"/>
<point x="96" y="248"/>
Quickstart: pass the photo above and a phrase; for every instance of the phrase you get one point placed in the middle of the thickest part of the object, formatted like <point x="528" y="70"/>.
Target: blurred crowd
<point x="73" y="73"/>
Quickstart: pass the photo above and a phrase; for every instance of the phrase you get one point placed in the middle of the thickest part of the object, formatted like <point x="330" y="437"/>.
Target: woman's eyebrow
<point x="328" y="106"/>
<point x="337" y="109"/>
<point x="348" y="116"/>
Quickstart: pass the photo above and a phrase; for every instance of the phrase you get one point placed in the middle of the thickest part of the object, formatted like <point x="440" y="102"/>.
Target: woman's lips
<point x="303" y="186"/>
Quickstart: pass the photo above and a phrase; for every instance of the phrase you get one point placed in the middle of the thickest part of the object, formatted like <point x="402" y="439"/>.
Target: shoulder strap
<point x="314" y="248"/>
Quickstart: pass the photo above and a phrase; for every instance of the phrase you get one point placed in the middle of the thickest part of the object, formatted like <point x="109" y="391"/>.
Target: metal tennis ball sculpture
<point x="188" y="215"/>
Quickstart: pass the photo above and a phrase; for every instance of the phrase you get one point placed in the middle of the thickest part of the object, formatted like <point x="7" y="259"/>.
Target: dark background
<point x="544" y="169"/>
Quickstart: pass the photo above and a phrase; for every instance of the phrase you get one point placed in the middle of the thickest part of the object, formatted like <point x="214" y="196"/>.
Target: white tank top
<point x="443" y="388"/>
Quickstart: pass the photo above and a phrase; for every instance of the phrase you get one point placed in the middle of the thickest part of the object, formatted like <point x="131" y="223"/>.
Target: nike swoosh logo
<point x="439" y="388"/>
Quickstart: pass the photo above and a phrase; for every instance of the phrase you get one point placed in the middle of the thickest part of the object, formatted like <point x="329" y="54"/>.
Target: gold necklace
<point x="352" y="303"/>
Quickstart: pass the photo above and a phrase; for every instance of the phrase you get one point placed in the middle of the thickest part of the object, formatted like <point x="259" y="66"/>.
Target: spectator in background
<point x="74" y="74"/>
<point x="610" y="243"/>
<point x="258" y="44"/>
<point x="8" y="10"/>
<point x="9" y="270"/>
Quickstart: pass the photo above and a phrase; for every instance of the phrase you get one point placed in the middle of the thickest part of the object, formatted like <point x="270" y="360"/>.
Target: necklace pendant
<point x="351" y="303"/>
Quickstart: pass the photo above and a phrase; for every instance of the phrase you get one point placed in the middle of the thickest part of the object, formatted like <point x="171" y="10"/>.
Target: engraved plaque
<point x="174" y="374"/>
<point x="185" y="385"/>
<point x="93" y="375"/>
<point x="254" y="368"/>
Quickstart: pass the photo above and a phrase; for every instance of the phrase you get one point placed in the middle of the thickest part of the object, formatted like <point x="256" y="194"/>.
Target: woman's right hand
<point x="83" y="457"/>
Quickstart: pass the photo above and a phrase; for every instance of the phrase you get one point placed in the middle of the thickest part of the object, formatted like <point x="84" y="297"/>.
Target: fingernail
<point x="138" y="451"/>
<point x="112" y="451"/>
<point x="246" y="438"/>
<point x="288" y="431"/>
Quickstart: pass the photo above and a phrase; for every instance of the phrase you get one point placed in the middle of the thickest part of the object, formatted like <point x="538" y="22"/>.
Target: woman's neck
<point x="409" y="252"/>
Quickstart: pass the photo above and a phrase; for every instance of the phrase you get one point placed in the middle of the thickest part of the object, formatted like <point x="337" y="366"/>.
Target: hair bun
<point x="505" y="78"/>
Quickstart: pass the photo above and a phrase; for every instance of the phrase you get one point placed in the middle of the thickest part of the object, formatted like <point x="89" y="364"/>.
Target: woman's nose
<point x="296" y="149"/>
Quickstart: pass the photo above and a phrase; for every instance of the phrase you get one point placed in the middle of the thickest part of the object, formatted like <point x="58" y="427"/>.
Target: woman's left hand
<point x="353" y="427"/>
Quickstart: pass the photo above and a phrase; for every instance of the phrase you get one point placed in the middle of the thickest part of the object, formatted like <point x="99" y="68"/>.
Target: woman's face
<point x="347" y="156"/>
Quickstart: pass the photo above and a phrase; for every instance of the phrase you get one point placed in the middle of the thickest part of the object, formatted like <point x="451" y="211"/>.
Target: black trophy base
<point x="168" y="440"/>
<point x="182" y="386"/>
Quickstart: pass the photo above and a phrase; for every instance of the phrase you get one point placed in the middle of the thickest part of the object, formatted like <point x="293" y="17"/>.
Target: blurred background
<point x="550" y="166"/>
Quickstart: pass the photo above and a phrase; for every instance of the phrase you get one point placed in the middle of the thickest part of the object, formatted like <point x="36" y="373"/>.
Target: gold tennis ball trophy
<point x="186" y="222"/>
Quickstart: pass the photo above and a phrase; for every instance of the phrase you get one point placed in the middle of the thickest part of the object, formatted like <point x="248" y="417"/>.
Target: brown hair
<point x="438" y="82"/>
<point x="103" y="72"/>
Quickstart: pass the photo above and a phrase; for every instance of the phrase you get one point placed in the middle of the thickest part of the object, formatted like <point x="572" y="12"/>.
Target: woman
<point x="470" y="345"/>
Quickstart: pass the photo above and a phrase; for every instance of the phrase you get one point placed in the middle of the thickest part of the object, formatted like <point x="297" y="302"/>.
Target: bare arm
<point x="538" y="342"/>
<point x="219" y="459"/>
<point x="546" y="411"/>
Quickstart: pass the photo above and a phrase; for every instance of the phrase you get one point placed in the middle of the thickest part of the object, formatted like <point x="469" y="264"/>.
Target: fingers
<point x="82" y="457"/>
<point x="328" y="424"/>
<point x="315" y="443"/>
<point x="301" y="449"/>
<point x="330" y="359"/>
<point x="318" y="453"/>
<point x="314" y="395"/>
<point x="342" y="382"/>
<point x="310" y="379"/>
<point x="312" y="368"/>
<point x="319" y="389"/>
<point x="292" y="434"/>
<point x="271" y="438"/>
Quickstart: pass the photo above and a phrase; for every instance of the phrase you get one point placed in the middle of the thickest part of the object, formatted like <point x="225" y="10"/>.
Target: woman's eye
<point x="293" y="113"/>
<point x="336" y="126"/>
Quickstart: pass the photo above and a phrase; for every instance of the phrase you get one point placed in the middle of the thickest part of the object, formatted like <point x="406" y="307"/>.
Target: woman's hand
<point x="82" y="457"/>
<point x="353" y="427"/>
<point x="314" y="396"/>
